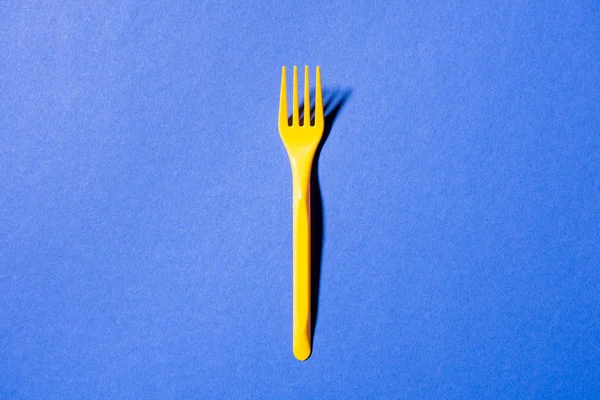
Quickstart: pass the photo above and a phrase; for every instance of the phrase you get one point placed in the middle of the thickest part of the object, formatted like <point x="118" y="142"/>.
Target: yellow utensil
<point x="301" y="142"/>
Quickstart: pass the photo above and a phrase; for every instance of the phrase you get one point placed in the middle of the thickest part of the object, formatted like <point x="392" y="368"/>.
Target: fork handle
<point x="301" y="276"/>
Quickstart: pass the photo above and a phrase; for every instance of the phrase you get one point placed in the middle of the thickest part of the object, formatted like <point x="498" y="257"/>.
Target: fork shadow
<point x="333" y="102"/>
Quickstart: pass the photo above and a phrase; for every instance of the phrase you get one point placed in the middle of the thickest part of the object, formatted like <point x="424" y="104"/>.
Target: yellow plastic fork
<point x="301" y="142"/>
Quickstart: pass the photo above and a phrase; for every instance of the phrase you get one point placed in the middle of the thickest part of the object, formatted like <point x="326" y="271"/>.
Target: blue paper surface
<point x="145" y="200"/>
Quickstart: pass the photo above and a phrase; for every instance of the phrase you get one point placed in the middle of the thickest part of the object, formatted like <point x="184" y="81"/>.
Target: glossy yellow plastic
<point x="301" y="142"/>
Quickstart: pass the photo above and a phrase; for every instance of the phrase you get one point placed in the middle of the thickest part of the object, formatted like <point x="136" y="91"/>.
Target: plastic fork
<point x="301" y="142"/>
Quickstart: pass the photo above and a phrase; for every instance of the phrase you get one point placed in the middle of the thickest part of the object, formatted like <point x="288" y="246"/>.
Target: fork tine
<point x="283" y="109"/>
<point x="295" y="116"/>
<point x="306" y="97"/>
<point x="318" y="100"/>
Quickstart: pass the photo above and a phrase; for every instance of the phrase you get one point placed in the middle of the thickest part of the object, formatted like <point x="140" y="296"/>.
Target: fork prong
<point x="318" y="101"/>
<point x="283" y="109"/>
<point x="295" y="112"/>
<point x="306" y="97"/>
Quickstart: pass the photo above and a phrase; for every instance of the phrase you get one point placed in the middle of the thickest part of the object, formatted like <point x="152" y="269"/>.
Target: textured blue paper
<point x="145" y="200"/>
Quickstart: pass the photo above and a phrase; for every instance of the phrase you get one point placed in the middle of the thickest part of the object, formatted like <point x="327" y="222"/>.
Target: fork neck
<point x="301" y="169"/>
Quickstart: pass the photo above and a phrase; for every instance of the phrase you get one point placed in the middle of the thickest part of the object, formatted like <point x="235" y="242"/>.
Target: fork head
<point x="305" y="136"/>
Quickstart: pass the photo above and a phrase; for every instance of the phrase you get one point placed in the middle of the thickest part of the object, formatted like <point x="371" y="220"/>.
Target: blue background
<point x="145" y="200"/>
